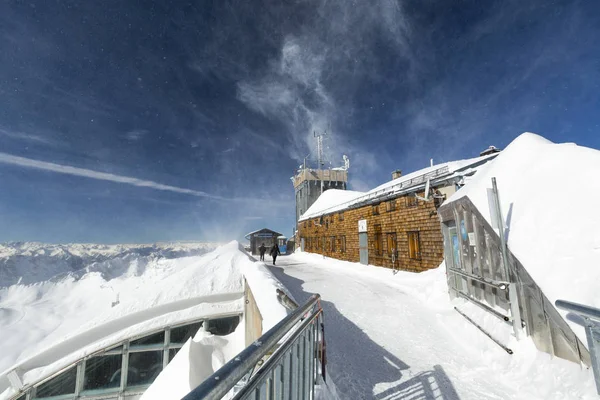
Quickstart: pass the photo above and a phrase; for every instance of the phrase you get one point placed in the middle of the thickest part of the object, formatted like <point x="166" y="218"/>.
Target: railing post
<point x="591" y="317"/>
<point x="512" y="287"/>
<point x="592" y="331"/>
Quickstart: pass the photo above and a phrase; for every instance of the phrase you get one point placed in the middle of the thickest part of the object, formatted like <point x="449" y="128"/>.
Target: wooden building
<point x="394" y="225"/>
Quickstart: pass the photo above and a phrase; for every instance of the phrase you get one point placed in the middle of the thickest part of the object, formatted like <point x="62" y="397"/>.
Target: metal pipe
<point x="222" y="381"/>
<point x="489" y="309"/>
<point x="497" y="284"/>
<point x="514" y="300"/>
<point x="509" y="351"/>
<point x="580" y="309"/>
<point x="591" y="317"/>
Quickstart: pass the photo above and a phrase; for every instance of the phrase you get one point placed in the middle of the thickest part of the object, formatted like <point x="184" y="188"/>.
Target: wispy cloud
<point x="103" y="176"/>
<point x="301" y="86"/>
<point x="24" y="136"/>
<point x="136" y="134"/>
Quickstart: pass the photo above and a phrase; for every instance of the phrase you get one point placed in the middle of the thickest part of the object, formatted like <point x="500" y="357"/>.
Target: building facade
<point x="395" y="225"/>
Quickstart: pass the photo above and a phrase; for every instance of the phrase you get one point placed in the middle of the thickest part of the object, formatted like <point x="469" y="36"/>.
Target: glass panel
<point x="223" y="326"/>
<point x="157" y="338"/>
<point x="144" y="367"/>
<point x="172" y="353"/>
<point x="61" y="384"/>
<point x="183" y="333"/>
<point x="102" y="372"/>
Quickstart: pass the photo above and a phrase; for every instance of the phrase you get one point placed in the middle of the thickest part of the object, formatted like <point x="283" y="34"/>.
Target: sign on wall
<point x="362" y="225"/>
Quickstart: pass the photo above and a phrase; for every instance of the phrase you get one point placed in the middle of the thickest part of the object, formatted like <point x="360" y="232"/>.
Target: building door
<point x="302" y="244"/>
<point x="363" y="248"/>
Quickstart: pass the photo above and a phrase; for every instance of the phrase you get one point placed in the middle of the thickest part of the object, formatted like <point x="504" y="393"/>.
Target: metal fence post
<point x="592" y="331"/>
<point x="512" y="290"/>
<point x="591" y="317"/>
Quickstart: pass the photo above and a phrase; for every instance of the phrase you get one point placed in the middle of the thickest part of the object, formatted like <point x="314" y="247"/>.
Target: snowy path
<point x="384" y="343"/>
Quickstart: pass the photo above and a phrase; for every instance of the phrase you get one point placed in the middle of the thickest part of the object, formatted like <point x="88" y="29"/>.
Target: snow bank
<point x="548" y="193"/>
<point x="198" y="359"/>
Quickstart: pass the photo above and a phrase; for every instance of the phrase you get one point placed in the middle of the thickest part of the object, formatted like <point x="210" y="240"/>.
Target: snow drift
<point x="547" y="194"/>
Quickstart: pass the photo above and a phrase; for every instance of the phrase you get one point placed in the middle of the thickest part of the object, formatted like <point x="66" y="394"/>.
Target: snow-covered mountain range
<point x="31" y="262"/>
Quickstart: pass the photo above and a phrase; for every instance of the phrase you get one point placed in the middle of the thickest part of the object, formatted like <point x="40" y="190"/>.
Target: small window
<point x="414" y="246"/>
<point x="412" y="201"/>
<point x="378" y="244"/>
<point x="324" y="240"/>
<point x="103" y="372"/>
<point x="144" y="367"/>
<point x="181" y="334"/>
<point x="222" y="326"/>
<point x="333" y="244"/>
<point x="63" y="383"/>
<point x="391" y="205"/>
<point x="343" y="244"/>
<point x="150" y="340"/>
<point x="340" y="216"/>
<point x="375" y="209"/>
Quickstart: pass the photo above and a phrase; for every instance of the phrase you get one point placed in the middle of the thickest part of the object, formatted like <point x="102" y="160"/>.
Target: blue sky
<point x="185" y="121"/>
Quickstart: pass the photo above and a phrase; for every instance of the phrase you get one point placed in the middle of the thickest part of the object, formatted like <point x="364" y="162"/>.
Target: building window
<point x="340" y="216"/>
<point x="412" y="201"/>
<point x="414" y="246"/>
<point x="391" y="205"/>
<point x="378" y="244"/>
<point x="59" y="385"/>
<point x="324" y="239"/>
<point x="144" y="367"/>
<point x="103" y="372"/>
<point x="375" y="209"/>
<point x="392" y="244"/>
<point x="343" y="243"/>
<point x="333" y="244"/>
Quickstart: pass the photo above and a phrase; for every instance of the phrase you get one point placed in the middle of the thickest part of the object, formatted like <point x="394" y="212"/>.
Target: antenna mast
<point x="320" y="158"/>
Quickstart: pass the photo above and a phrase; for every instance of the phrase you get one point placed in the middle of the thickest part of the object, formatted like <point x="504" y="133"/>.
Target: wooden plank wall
<point x="406" y="217"/>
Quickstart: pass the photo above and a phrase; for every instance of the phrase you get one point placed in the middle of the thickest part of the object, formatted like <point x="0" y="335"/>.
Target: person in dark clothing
<point x="275" y="252"/>
<point x="262" y="250"/>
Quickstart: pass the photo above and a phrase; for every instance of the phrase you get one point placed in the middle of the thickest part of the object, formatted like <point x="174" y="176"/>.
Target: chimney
<point x="396" y="174"/>
<point x="489" y="150"/>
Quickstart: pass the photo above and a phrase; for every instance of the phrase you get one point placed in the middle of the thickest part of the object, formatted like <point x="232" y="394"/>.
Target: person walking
<point x="275" y="252"/>
<point x="262" y="250"/>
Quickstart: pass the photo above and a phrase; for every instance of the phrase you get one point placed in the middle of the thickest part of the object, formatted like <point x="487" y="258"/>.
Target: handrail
<point x="591" y="317"/>
<point x="580" y="309"/>
<point x="222" y="381"/>
<point x="268" y="366"/>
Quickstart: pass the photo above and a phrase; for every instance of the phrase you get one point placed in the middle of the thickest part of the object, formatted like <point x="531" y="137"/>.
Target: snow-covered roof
<point x="247" y="236"/>
<point x="550" y="192"/>
<point x="339" y="200"/>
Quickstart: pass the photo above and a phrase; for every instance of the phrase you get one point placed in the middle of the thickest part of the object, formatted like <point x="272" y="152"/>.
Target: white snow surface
<point x="333" y="200"/>
<point x="329" y="200"/>
<point x="548" y="196"/>
<point x="399" y="337"/>
<point x="50" y="324"/>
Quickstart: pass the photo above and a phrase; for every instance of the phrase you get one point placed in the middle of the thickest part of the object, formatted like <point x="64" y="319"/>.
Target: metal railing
<point x="295" y="359"/>
<point x="591" y="318"/>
